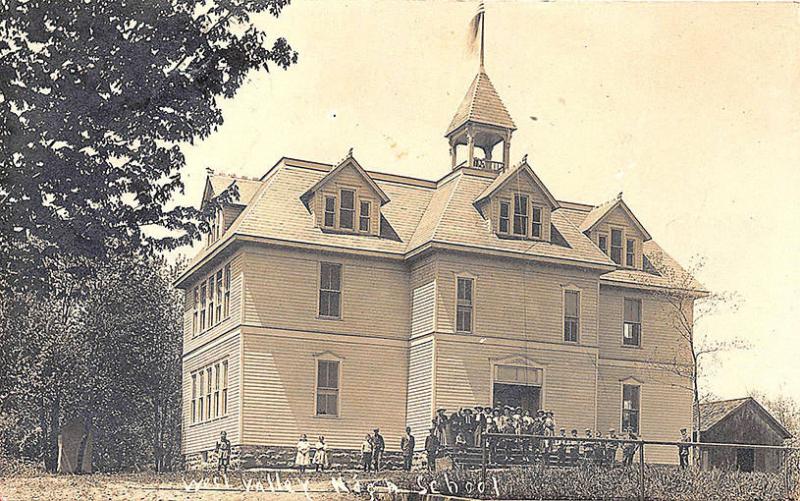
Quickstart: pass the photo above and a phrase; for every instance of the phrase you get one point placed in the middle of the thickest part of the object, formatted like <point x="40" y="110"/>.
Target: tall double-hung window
<point x="632" y="323"/>
<point x="464" y="304"/>
<point x="330" y="290"/>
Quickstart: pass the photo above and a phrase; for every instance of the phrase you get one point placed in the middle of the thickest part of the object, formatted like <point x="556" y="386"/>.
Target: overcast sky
<point x="692" y="110"/>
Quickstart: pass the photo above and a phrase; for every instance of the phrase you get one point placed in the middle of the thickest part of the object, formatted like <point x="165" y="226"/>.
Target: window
<point x="211" y="300"/>
<point x="504" y="221"/>
<point x="571" y="315"/>
<point x="536" y="224"/>
<point x="217" y="374"/>
<point x="630" y="252"/>
<point x="219" y="296"/>
<point x="520" y="215"/>
<point x="225" y="388"/>
<point x="330" y="290"/>
<point x="330" y="212"/>
<point x="226" y="299"/>
<point x="347" y="209"/>
<point x="630" y="407"/>
<point x="200" y="386"/>
<point x="464" y="304"/>
<point x="208" y="393"/>
<point x="203" y="298"/>
<point x="364" y="217"/>
<point x="196" y="312"/>
<point x="602" y="242"/>
<point x="632" y="327"/>
<point x="616" y="246"/>
<point x="327" y="388"/>
<point x="194" y="398"/>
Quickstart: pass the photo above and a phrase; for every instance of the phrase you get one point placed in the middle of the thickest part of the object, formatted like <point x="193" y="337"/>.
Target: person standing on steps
<point x="378" y="446"/>
<point x="407" y="444"/>
<point x="432" y="449"/>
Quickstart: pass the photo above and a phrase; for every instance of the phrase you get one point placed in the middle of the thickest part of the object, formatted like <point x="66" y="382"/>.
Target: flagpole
<point x="483" y="25"/>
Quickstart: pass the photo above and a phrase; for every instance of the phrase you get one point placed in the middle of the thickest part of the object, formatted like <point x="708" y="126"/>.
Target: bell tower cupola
<point x="481" y="122"/>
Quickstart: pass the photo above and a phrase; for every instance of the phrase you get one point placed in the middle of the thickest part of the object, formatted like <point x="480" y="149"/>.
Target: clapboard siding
<point x="279" y="383"/>
<point x="665" y="408"/>
<point x="516" y="300"/>
<point x="423" y="305"/>
<point x="190" y="341"/>
<point x="419" y="406"/>
<point x="660" y="340"/>
<point x="464" y="376"/>
<point x="203" y="436"/>
<point x="282" y="292"/>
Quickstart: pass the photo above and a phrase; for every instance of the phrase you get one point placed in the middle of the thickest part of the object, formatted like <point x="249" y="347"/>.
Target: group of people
<point x="308" y="456"/>
<point x="463" y="428"/>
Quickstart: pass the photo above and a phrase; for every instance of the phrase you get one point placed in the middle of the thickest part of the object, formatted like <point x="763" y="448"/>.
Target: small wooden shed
<point x="740" y="421"/>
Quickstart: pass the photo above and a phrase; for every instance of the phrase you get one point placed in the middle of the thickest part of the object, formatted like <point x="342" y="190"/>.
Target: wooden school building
<point x="331" y="299"/>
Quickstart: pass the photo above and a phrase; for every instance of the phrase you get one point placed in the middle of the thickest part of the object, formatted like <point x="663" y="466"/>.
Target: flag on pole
<point x="475" y="31"/>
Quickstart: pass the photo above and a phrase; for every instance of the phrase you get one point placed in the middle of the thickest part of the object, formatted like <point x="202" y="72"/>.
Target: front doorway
<point x="529" y="398"/>
<point x="517" y="386"/>
<point x="745" y="459"/>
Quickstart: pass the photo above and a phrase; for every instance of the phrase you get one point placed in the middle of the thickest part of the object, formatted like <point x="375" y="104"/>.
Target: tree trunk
<point x="87" y="430"/>
<point x="54" y="427"/>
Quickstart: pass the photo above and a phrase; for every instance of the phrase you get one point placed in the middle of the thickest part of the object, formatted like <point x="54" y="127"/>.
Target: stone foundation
<point x="277" y="457"/>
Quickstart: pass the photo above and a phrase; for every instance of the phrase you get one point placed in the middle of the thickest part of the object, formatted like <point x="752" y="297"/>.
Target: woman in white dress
<point x="303" y="458"/>
<point x="321" y="454"/>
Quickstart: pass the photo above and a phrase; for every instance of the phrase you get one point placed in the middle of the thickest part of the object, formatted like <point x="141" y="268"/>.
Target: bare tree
<point x="685" y="303"/>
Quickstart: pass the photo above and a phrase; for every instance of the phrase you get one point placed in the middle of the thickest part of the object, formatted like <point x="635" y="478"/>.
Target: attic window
<point x="536" y="227"/>
<point x="521" y="215"/>
<point x="602" y="242"/>
<point x="364" y="216"/>
<point x="630" y="252"/>
<point x="616" y="246"/>
<point x="504" y="220"/>
<point x="330" y="212"/>
<point x="347" y="209"/>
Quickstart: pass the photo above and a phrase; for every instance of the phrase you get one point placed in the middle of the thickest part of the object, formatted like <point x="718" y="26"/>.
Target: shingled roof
<point x="419" y="213"/>
<point x="712" y="413"/>
<point x="483" y="105"/>
<point x="218" y="183"/>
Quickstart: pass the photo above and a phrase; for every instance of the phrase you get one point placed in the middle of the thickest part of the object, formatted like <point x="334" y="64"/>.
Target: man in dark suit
<point x="378" y="446"/>
<point x="432" y="449"/>
<point x="407" y="444"/>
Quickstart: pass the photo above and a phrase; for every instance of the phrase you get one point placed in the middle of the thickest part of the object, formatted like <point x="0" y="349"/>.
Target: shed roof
<point x="713" y="413"/>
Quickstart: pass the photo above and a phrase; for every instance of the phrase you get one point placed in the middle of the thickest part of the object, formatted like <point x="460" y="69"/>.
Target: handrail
<point x="642" y="441"/>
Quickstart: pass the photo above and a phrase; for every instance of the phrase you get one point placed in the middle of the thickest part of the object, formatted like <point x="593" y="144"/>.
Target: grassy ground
<point x="166" y="487"/>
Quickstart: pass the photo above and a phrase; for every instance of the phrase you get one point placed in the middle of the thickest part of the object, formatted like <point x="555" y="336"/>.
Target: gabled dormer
<point x="518" y="204"/>
<point x="614" y="228"/>
<point x="226" y="214"/>
<point x="346" y="200"/>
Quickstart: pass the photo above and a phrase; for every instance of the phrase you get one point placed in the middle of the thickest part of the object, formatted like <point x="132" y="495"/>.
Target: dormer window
<point x="504" y="217"/>
<point x="521" y="215"/>
<point x="330" y="212"/>
<point x="616" y="246"/>
<point x="347" y="209"/>
<point x="602" y="242"/>
<point x="630" y="252"/>
<point x="364" y="216"/>
<point x="536" y="223"/>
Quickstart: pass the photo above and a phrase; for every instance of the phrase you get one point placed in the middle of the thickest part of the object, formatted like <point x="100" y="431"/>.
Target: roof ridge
<point x="726" y="400"/>
<point x="457" y="180"/>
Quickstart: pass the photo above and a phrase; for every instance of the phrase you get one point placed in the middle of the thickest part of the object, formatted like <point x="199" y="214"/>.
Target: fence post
<point x="641" y="470"/>
<point x="786" y="481"/>
<point x="484" y="439"/>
